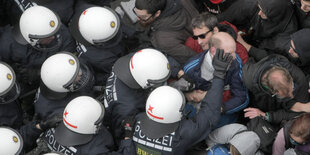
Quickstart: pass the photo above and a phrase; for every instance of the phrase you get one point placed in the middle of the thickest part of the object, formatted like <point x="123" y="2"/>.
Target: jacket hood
<point x="302" y="45"/>
<point x="275" y="10"/>
<point x="246" y="142"/>
<point x="253" y="71"/>
<point x="172" y="6"/>
<point x="280" y="13"/>
<point x="173" y="17"/>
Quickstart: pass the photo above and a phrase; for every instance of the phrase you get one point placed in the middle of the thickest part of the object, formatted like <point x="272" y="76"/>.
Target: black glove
<point x="128" y="124"/>
<point x="183" y="85"/>
<point x="51" y="122"/>
<point x="221" y="63"/>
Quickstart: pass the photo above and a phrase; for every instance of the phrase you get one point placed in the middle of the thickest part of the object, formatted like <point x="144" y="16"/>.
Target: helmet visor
<point x="11" y="95"/>
<point x="158" y="83"/>
<point x="81" y="79"/>
<point x="51" y="43"/>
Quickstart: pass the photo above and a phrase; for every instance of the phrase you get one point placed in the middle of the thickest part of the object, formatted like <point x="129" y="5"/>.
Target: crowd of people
<point x="181" y="77"/>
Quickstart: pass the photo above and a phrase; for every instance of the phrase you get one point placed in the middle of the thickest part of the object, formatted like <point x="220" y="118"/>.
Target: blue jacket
<point x="239" y="93"/>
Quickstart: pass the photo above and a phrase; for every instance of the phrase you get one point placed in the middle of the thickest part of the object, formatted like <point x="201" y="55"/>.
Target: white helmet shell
<point x="58" y="70"/>
<point x="165" y="105"/>
<point x="149" y="65"/>
<point x="7" y="78"/>
<point x="98" y="24"/>
<point x="38" y="22"/>
<point x="83" y="115"/>
<point x="11" y="142"/>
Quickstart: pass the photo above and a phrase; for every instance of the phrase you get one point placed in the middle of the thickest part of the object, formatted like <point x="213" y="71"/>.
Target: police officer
<point x="42" y="32"/>
<point x="11" y="113"/>
<point x="163" y="129"/>
<point x="63" y="77"/>
<point x="127" y="88"/>
<point x="38" y="35"/>
<point x="82" y="132"/>
<point x="11" y="141"/>
<point x="23" y="140"/>
<point x="99" y="40"/>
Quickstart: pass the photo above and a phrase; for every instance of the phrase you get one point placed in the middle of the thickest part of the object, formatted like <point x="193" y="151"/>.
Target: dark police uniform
<point x="46" y="107"/>
<point x="121" y="101"/>
<point x="11" y="115"/>
<point x="101" y="59"/>
<point x="13" y="52"/>
<point x="189" y="132"/>
<point x="102" y="143"/>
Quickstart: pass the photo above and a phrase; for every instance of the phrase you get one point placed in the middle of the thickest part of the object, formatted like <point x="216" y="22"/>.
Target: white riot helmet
<point x="9" y="89"/>
<point x="164" y="110"/>
<point x="37" y="23"/>
<point x="147" y="68"/>
<point x="82" y="119"/>
<point x="98" y="24"/>
<point x="63" y="72"/>
<point x="11" y="143"/>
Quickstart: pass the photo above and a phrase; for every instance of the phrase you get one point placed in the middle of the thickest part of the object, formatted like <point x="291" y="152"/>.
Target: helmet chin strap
<point x="98" y="123"/>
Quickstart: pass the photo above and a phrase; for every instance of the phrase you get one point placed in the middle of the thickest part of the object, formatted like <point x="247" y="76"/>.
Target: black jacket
<point x="45" y="106"/>
<point x="120" y="102"/>
<point x="302" y="48"/>
<point x="101" y="59"/>
<point x="303" y="18"/>
<point x="252" y="73"/>
<point x="266" y="34"/>
<point x="170" y="30"/>
<point x="28" y="56"/>
<point x="101" y="144"/>
<point x="11" y="115"/>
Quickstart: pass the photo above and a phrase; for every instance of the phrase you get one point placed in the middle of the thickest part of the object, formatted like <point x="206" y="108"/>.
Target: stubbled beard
<point x="146" y="24"/>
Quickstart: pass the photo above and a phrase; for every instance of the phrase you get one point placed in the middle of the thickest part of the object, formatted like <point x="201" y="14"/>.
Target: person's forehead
<point x="141" y="12"/>
<point x="305" y="2"/>
<point x="202" y="29"/>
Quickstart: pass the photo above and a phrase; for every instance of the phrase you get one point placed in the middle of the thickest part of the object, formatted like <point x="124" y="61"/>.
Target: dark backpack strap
<point x="266" y="132"/>
<point x="286" y="129"/>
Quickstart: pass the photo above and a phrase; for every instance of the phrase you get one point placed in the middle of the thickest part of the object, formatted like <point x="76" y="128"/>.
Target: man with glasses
<point x="204" y="26"/>
<point x="166" y="26"/>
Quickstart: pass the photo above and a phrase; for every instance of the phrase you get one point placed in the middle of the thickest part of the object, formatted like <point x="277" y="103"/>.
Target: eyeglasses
<point x="143" y="20"/>
<point x="201" y="36"/>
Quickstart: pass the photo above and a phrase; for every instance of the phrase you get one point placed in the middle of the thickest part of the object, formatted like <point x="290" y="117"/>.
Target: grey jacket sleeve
<point x="224" y="134"/>
<point x="196" y="129"/>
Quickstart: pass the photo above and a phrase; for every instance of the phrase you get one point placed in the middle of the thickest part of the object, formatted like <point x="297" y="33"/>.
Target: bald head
<point x="279" y="81"/>
<point x="223" y="40"/>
